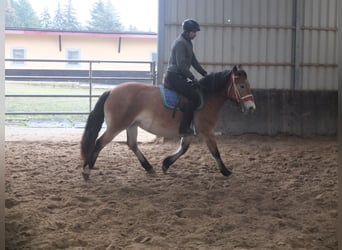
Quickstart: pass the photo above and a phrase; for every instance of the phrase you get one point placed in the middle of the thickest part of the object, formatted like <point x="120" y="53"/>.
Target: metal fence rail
<point x="90" y="80"/>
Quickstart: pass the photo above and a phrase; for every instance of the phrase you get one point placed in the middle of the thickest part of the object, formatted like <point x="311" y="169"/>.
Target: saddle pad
<point x="171" y="99"/>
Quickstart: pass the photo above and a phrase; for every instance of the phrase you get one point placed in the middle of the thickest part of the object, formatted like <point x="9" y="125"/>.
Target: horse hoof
<point x="86" y="173"/>
<point x="151" y="171"/>
<point x="85" y="176"/>
<point x="164" y="168"/>
<point x="226" y="172"/>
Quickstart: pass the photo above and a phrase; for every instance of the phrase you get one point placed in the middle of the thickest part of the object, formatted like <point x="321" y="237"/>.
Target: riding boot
<point x="184" y="128"/>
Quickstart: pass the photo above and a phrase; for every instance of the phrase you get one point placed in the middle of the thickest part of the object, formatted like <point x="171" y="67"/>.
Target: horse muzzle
<point x="248" y="107"/>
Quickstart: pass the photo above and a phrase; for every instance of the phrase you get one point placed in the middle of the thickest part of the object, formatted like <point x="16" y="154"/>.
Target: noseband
<point x="234" y="93"/>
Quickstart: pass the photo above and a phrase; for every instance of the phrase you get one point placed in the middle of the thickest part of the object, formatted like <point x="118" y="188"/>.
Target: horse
<point x="132" y="104"/>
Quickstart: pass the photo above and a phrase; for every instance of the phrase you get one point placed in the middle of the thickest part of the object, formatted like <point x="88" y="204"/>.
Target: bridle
<point x="234" y="92"/>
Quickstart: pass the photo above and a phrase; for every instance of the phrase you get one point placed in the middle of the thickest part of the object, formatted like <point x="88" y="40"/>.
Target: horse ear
<point x="240" y="67"/>
<point x="235" y="69"/>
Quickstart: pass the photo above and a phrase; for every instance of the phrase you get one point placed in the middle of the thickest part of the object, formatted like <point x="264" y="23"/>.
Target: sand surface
<point x="282" y="195"/>
<point x="17" y="133"/>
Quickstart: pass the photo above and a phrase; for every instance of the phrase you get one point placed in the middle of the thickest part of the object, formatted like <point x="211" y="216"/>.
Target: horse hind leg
<point x="184" y="146"/>
<point x="90" y="162"/>
<point x="132" y="135"/>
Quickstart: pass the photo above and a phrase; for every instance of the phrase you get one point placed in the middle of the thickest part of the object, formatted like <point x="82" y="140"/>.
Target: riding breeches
<point x="181" y="86"/>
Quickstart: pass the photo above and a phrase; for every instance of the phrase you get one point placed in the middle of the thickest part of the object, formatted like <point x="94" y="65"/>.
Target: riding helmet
<point x="190" y="25"/>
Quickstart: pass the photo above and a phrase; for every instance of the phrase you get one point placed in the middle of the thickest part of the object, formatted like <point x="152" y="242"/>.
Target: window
<point x="73" y="54"/>
<point x="18" y="53"/>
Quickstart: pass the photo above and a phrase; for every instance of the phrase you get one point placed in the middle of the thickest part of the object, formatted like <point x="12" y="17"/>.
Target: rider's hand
<point x="195" y="84"/>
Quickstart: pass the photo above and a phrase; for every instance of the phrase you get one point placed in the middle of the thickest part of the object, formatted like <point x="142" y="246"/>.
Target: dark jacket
<point x="182" y="58"/>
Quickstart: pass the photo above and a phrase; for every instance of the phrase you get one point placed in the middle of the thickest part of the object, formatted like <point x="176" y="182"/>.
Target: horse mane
<point x="217" y="82"/>
<point x="214" y="82"/>
<point x="241" y="73"/>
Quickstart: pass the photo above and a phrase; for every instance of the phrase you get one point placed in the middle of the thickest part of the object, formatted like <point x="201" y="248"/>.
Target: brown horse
<point x="133" y="105"/>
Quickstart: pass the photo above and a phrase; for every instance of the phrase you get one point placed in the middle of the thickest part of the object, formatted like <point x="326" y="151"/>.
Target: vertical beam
<point x="2" y="125"/>
<point x="153" y="72"/>
<point x="161" y="41"/>
<point x="119" y="45"/>
<point x="339" y="171"/>
<point x="90" y="85"/>
<point x="297" y="44"/>
<point x="60" y="42"/>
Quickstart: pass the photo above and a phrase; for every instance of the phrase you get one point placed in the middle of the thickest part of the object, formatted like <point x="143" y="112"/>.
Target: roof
<point x="31" y="31"/>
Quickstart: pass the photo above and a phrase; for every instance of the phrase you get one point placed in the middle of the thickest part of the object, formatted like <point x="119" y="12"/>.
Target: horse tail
<point x="93" y="127"/>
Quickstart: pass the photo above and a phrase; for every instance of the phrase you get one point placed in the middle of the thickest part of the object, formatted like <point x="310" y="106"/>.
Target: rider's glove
<point x="195" y="84"/>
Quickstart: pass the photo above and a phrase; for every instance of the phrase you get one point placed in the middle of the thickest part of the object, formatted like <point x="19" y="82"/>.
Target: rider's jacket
<point x="182" y="58"/>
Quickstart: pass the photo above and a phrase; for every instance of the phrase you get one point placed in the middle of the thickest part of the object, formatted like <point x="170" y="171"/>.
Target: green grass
<point x="48" y="104"/>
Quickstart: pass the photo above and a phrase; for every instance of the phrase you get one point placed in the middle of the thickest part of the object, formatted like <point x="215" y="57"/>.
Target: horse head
<point x="239" y="89"/>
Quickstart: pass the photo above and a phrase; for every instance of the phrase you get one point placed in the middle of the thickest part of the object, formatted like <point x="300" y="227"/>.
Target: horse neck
<point x="214" y="94"/>
<point x="214" y="82"/>
<point x="215" y="102"/>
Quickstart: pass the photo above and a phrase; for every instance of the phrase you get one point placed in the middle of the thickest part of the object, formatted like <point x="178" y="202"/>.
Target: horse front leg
<point x="132" y="135"/>
<point x="99" y="145"/>
<point x="212" y="146"/>
<point x="184" y="146"/>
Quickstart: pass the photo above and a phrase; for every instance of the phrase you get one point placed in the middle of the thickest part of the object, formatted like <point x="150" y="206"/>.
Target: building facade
<point x="48" y="52"/>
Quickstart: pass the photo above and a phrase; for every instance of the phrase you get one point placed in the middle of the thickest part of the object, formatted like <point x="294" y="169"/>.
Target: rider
<point x="179" y="75"/>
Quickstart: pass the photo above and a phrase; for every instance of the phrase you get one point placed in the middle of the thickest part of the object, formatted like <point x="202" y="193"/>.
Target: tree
<point x="104" y="18"/>
<point x="70" y="18"/>
<point x="45" y="19"/>
<point x="10" y="15"/>
<point x="132" y="28"/>
<point x="58" y="20"/>
<point x="65" y="18"/>
<point x="20" y="14"/>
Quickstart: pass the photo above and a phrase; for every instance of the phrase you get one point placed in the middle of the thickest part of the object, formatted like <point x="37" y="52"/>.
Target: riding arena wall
<point x="287" y="47"/>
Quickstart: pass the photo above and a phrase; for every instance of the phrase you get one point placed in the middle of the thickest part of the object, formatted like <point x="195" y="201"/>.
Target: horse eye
<point x="242" y="86"/>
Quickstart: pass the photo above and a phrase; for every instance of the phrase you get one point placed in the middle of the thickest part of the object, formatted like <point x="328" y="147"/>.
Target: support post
<point x="297" y="44"/>
<point x="161" y="40"/>
<point x="90" y="85"/>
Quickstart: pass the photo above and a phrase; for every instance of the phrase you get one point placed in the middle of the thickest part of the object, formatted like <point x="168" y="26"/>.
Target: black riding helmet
<point x="190" y="25"/>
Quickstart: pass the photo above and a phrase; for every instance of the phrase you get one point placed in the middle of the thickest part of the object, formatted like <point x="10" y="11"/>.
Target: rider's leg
<point x="188" y="115"/>
<point x="180" y="85"/>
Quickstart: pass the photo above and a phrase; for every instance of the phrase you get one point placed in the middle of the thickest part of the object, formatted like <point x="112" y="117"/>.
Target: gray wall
<point x="283" y="44"/>
<point x="284" y="111"/>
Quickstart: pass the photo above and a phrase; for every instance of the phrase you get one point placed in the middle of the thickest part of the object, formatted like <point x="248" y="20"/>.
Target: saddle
<point x="173" y="100"/>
